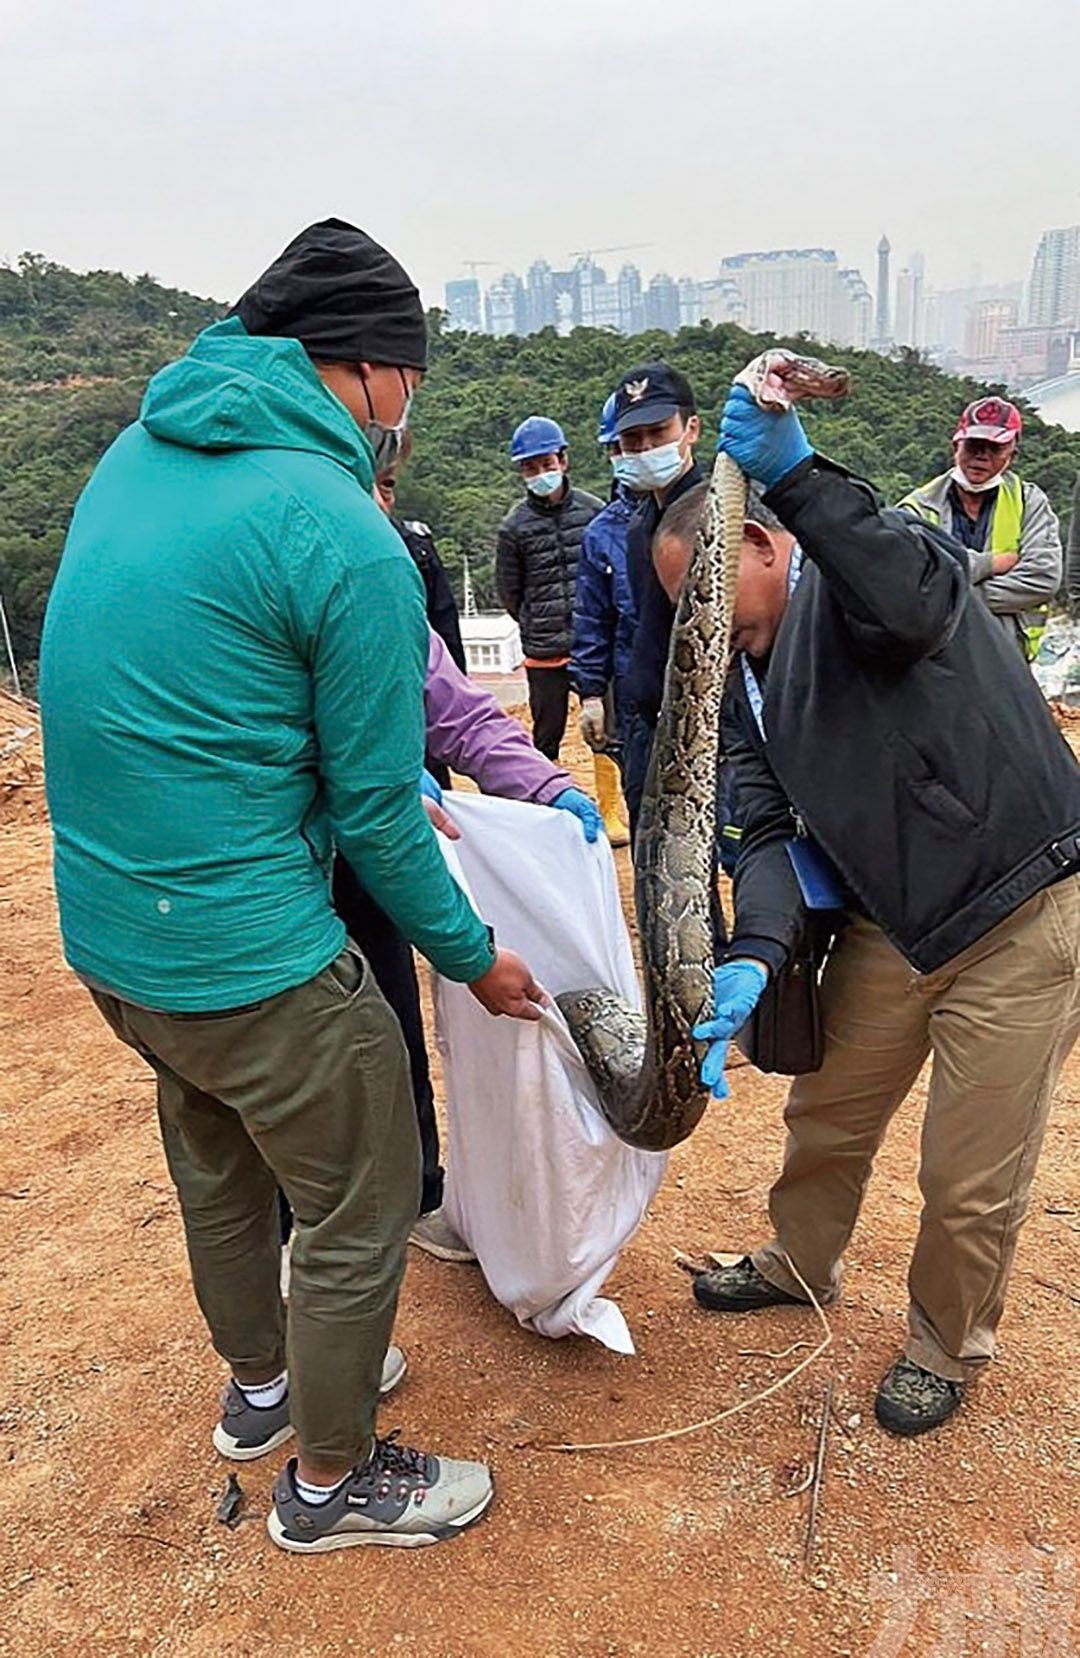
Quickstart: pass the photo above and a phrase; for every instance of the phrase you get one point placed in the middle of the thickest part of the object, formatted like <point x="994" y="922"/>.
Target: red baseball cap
<point x="991" y="419"/>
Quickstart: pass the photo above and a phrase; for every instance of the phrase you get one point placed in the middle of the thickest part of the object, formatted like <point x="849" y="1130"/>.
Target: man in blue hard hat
<point x="536" y="569"/>
<point x="605" y="619"/>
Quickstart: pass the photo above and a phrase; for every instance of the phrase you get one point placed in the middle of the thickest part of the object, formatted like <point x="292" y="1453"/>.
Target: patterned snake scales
<point x="645" y="1066"/>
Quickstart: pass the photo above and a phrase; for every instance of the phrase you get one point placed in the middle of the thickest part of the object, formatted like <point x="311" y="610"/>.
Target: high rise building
<point x="690" y="313"/>
<point x="882" y="330"/>
<point x="985" y="321"/>
<point x="945" y="315"/>
<point x="463" y="305"/>
<point x="540" y="309"/>
<point x="791" y="291"/>
<point x="597" y="298"/>
<point x="1054" y="290"/>
<point x="662" y="304"/>
<point x="854" y="311"/>
<point x="504" y="307"/>
<point x="721" y="300"/>
<point x="631" y="303"/>
<point x="908" y="323"/>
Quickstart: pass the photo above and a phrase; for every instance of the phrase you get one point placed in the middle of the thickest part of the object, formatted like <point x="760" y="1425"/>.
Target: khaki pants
<point x="308" y="1090"/>
<point x="999" y="1021"/>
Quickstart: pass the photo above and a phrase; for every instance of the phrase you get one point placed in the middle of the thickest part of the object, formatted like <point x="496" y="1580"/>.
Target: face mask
<point x="625" y="472"/>
<point x="386" y="440"/>
<point x="655" y="468"/>
<point x="964" y="482"/>
<point x="544" y="484"/>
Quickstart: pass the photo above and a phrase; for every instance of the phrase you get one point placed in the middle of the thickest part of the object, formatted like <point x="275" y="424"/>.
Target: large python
<point x="645" y="1065"/>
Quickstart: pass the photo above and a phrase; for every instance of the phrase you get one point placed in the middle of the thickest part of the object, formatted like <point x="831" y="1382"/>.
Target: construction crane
<point x="473" y="265"/>
<point x="620" y="247"/>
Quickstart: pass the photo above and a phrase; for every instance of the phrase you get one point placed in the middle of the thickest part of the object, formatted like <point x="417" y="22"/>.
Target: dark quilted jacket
<point x="536" y="568"/>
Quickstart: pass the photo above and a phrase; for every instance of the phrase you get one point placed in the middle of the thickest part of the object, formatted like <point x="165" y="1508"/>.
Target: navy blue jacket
<point x="605" y="614"/>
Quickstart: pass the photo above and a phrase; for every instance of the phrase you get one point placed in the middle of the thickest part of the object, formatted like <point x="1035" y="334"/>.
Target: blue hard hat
<point x="536" y="436"/>
<point x="605" y="432"/>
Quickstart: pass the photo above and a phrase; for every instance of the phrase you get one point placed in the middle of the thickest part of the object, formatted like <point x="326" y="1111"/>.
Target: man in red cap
<point x="1008" y="526"/>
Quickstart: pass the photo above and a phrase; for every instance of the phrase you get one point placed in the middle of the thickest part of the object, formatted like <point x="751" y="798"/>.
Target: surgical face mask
<point x="963" y="482"/>
<point x="625" y="473"/>
<point x="386" y="441"/>
<point x="545" y="484"/>
<point x="655" y="468"/>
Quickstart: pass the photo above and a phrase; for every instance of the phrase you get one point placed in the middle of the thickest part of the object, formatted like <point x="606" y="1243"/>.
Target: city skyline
<point x="1025" y="333"/>
<point x="984" y="267"/>
<point x="1020" y="331"/>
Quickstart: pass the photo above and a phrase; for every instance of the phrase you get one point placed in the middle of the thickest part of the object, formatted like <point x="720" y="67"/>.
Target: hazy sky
<point x="193" y="138"/>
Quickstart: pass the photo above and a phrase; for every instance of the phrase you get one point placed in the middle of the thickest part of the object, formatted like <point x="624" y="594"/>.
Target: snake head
<point x="777" y="379"/>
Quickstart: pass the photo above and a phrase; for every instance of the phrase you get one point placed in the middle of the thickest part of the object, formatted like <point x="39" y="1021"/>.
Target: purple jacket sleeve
<point x="471" y="734"/>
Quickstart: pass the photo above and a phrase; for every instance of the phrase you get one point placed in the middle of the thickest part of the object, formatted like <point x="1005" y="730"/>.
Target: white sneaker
<point x="434" y="1234"/>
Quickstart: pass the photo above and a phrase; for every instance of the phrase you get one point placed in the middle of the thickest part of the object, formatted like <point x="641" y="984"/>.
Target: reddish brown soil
<point x="108" y="1385"/>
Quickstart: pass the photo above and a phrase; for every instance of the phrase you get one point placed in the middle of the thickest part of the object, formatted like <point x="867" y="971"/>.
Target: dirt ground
<point x="967" y="1542"/>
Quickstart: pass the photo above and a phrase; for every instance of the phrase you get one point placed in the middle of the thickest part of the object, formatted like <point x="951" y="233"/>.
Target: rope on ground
<point x="732" y="1410"/>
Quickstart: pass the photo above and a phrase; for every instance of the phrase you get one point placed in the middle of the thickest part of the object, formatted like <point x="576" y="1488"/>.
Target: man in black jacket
<point x="442" y="610"/>
<point x="536" y="570"/>
<point x="657" y="426"/>
<point x="897" y="735"/>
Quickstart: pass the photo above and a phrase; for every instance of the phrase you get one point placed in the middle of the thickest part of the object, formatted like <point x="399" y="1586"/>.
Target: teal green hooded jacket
<point x="232" y="675"/>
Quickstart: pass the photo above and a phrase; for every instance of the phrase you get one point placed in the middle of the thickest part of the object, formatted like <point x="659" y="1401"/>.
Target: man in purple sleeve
<point x="469" y="732"/>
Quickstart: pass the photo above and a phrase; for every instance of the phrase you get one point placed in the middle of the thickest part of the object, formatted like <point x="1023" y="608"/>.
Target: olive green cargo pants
<point x="308" y="1090"/>
<point x="999" y="1020"/>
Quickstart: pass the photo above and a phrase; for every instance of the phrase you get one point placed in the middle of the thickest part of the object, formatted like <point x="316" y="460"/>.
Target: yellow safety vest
<point x="1006" y="522"/>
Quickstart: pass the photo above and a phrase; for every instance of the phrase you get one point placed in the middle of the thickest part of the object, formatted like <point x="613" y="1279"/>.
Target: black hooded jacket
<point x="536" y="568"/>
<point x="904" y="731"/>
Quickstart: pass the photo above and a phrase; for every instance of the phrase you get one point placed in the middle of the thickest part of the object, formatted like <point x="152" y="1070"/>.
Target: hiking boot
<point x="400" y="1497"/>
<point x="912" y="1400"/>
<point x="434" y="1234"/>
<point x="248" y="1431"/>
<point x="740" y="1289"/>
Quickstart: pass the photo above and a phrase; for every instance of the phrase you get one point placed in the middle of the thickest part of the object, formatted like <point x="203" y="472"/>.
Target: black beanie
<point x="342" y="296"/>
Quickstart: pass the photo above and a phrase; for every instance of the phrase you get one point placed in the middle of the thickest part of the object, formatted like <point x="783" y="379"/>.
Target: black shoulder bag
<point x="786" y="1032"/>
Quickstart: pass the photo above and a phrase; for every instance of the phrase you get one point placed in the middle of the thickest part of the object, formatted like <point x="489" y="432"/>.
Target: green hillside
<point x="76" y="351"/>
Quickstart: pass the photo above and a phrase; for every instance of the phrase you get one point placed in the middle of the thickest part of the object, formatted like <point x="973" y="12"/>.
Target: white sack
<point x="537" y="1183"/>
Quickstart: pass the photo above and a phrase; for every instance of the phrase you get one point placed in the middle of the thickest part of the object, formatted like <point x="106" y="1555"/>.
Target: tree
<point x="76" y="351"/>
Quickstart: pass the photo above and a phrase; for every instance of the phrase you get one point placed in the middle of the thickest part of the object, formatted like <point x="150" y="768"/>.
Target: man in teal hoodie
<point x="232" y="682"/>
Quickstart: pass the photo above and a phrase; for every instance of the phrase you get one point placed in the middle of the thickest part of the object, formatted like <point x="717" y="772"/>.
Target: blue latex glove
<point x="737" y="987"/>
<point x="429" y="788"/>
<point x="573" y="800"/>
<point x="767" y="446"/>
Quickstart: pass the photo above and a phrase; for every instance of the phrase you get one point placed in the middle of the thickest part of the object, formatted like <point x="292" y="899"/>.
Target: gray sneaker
<point x="434" y="1234"/>
<point x="400" y="1498"/>
<point x="248" y="1431"/>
